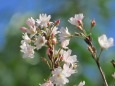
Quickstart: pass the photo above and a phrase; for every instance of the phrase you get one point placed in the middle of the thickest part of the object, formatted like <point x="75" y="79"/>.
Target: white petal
<point x="82" y="83"/>
<point x="104" y="42"/>
<point x="65" y="43"/>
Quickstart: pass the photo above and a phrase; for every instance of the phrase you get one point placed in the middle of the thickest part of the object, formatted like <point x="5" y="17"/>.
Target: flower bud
<point x="48" y="23"/>
<point x="52" y="35"/>
<point x="80" y="22"/>
<point x="54" y="40"/>
<point x="57" y="22"/>
<point x="79" y="27"/>
<point x="93" y="23"/>
<point x="61" y="57"/>
<point x="88" y="40"/>
<point x="23" y="29"/>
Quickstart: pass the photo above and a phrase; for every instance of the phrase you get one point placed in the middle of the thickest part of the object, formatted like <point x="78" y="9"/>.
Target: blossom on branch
<point x="32" y="31"/>
<point x="67" y="70"/>
<point x="30" y="22"/>
<point x="77" y="19"/>
<point x="58" y="77"/>
<point x="26" y="38"/>
<point x="67" y="58"/>
<point x="104" y="42"/>
<point x="43" y="20"/>
<point x="64" y="37"/>
<point x="27" y="49"/>
<point x="40" y="42"/>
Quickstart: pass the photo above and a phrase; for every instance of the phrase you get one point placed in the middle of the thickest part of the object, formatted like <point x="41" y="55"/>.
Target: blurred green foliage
<point x="16" y="71"/>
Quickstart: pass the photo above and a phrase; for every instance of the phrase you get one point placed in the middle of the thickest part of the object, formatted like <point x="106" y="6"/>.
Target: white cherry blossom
<point x="68" y="58"/>
<point x="40" y="42"/>
<point x="30" y="22"/>
<point x="64" y="34"/>
<point x="43" y="20"/>
<point x="64" y="37"/>
<point x="67" y="70"/>
<point x="26" y="38"/>
<point x="55" y="31"/>
<point x="27" y="49"/>
<point x="32" y="31"/>
<point x="74" y="20"/>
<point x="64" y="44"/>
<point x="58" y="77"/>
<point x="82" y="83"/>
<point x="104" y="42"/>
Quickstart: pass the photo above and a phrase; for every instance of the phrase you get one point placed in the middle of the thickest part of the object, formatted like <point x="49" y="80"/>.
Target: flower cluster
<point x="42" y="32"/>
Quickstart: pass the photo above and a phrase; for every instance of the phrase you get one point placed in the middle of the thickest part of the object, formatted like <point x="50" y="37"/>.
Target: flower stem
<point x="101" y="71"/>
<point x="100" y="53"/>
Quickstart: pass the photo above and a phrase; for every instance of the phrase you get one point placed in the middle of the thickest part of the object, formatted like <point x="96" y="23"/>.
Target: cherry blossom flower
<point x="58" y="77"/>
<point x="26" y="38"/>
<point x="64" y="44"/>
<point x="67" y="70"/>
<point x="40" y="42"/>
<point x="64" y="34"/>
<point x="30" y="22"/>
<point x="82" y="83"/>
<point x="32" y="31"/>
<point x="43" y="20"/>
<point x="76" y="19"/>
<point x="104" y="42"/>
<point x="55" y="31"/>
<point x="113" y="75"/>
<point x="68" y="58"/>
<point x="48" y="83"/>
<point x="54" y="40"/>
<point x="64" y="37"/>
<point x="27" y="49"/>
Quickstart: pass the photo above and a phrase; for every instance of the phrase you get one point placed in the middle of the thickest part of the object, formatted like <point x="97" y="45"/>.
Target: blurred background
<point x="16" y="71"/>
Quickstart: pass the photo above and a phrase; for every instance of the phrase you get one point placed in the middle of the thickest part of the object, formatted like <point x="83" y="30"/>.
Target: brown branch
<point x="92" y="50"/>
<point x="102" y="73"/>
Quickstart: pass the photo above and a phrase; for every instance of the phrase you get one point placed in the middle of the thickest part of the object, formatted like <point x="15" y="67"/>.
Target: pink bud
<point x="61" y="58"/>
<point x="79" y="27"/>
<point x="54" y="41"/>
<point x="48" y="23"/>
<point x="23" y="29"/>
<point x="57" y="22"/>
<point x="52" y="35"/>
<point x="79" y="22"/>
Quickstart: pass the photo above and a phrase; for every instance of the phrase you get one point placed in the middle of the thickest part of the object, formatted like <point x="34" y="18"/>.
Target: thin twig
<point x="101" y="71"/>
